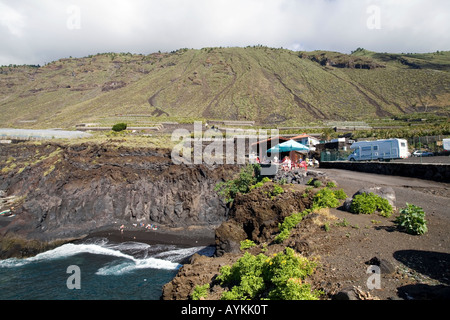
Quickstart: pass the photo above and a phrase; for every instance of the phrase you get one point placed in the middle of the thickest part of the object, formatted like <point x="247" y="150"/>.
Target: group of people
<point x="288" y="164"/>
<point x="142" y="225"/>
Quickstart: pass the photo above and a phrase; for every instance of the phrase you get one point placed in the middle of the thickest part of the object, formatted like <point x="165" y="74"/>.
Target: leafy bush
<point x="247" y="244"/>
<point x="276" y="190"/>
<point x="317" y="184"/>
<point x="368" y="203"/>
<point x="245" y="277"/>
<point x="260" y="277"/>
<point x="314" y="182"/>
<point x="340" y="194"/>
<point x="200" y="292"/>
<point x="119" y="127"/>
<point x="260" y="183"/>
<point x="283" y="235"/>
<point x="412" y="219"/>
<point x="331" y="184"/>
<point x="287" y="272"/>
<point x="242" y="184"/>
<point x="289" y="223"/>
<point x="325" y="198"/>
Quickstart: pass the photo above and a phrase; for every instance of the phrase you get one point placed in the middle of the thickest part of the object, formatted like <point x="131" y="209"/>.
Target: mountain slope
<point x="266" y="85"/>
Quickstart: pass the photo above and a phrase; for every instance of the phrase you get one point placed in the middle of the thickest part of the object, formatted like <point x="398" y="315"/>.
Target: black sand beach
<point x="189" y="236"/>
<point x="5" y="220"/>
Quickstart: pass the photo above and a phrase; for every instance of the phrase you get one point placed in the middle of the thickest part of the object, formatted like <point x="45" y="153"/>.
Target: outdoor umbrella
<point x="290" y="145"/>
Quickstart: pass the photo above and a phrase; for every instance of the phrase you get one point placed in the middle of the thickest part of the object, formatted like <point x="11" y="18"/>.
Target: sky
<point x="42" y="31"/>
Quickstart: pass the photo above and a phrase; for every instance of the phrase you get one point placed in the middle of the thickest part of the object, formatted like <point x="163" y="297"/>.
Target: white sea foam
<point x="126" y="252"/>
<point x="64" y="251"/>
<point x="180" y="254"/>
<point x="71" y="249"/>
<point x="118" y="269"/>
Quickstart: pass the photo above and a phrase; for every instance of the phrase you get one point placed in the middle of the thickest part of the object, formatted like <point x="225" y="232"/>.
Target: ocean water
<point x="94" y="270"/>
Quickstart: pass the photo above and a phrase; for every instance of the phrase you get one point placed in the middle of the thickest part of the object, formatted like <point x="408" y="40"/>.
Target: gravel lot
<point x="422" y="262"/>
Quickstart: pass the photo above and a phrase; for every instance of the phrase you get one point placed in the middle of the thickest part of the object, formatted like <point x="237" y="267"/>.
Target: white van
<point x="379" y="150"/>
<point x="446" y="144"/>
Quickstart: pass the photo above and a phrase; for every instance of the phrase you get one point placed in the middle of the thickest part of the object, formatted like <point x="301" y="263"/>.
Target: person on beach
<point x="121" y="228"/>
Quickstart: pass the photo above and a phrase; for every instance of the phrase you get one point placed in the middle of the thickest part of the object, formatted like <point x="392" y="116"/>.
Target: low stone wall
<point x="435" y="172"/>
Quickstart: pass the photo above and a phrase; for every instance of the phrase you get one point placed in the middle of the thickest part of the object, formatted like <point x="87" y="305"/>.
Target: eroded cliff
<point x="65" y="191"/>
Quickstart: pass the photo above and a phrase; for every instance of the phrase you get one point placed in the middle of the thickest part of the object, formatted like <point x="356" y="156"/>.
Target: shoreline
<point x="185" y="237"/>
<point x="192" y="236"/>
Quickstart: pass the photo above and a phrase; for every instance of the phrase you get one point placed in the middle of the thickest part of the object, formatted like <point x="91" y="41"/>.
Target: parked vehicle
<point x="419" y="153"/>
<point x="446" y="144"/>
<point x="379" y="150"/>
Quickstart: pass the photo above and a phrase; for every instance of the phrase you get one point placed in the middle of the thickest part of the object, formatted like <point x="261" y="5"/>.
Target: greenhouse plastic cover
<point x="6" y="133"/>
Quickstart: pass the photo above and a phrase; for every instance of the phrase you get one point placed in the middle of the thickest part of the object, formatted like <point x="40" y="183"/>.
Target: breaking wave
<point x="130" y="255"/>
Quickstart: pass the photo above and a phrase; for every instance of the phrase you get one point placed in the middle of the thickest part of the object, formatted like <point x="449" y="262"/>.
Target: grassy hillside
<point x="266" y="85"/>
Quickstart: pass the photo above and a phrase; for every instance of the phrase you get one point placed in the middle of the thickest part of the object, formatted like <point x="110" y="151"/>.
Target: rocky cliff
<point x="65" y="192"/>
<point x="256" y="215"/>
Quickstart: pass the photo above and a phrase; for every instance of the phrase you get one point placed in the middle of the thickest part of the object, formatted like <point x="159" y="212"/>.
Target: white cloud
<point x="38" y="32"/>
<point x="11" y="19"/>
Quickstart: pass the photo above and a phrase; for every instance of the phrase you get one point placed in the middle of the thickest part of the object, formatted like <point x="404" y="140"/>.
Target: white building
<point x="307" y="140"/>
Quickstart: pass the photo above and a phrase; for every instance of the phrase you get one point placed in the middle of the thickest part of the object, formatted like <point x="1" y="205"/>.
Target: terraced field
<point x="266" y="85"/>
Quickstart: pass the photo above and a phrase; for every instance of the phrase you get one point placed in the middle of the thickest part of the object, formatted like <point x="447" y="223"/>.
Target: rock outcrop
<point x="387" y="193"/>
<point x="71" y="191"/>
<point x="255" y="216"/>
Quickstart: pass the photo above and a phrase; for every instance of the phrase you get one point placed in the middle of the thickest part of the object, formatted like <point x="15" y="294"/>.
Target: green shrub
<point x="247" y="244"/>
<point x="242" y="184"/>
<point x="384" y="208"/>
<point x="289" y="223"/>
<point x="277" y="190"/>
<point x="283" y="235"/>
<point x="325" y="198"/>
<point x="340" y="194"/>
<point x="245" y="277"/>
<point x="412" y="219"/>
<point x="200" y="292"/>
<point x="260" y="183"/>
<point x="119" y="127"/>
<point x="317" y="184"/>
<point x="363" y="203"/>
<point x="287" y="272"/>
<point x="331" y="184"/>
<point x="368" y="203"/>
<point x="261" y="277"/>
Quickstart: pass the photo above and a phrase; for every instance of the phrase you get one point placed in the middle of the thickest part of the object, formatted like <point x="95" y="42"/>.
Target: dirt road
<point x="422" y="263"/>
<point x="433" y="197"/>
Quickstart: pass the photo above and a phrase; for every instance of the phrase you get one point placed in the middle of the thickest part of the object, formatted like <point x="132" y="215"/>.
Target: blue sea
<point x="94" y="270"/>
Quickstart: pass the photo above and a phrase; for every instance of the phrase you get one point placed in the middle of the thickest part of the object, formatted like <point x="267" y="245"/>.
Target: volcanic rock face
<point x="255" y="216"/>
<point x="75" y="190"/>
